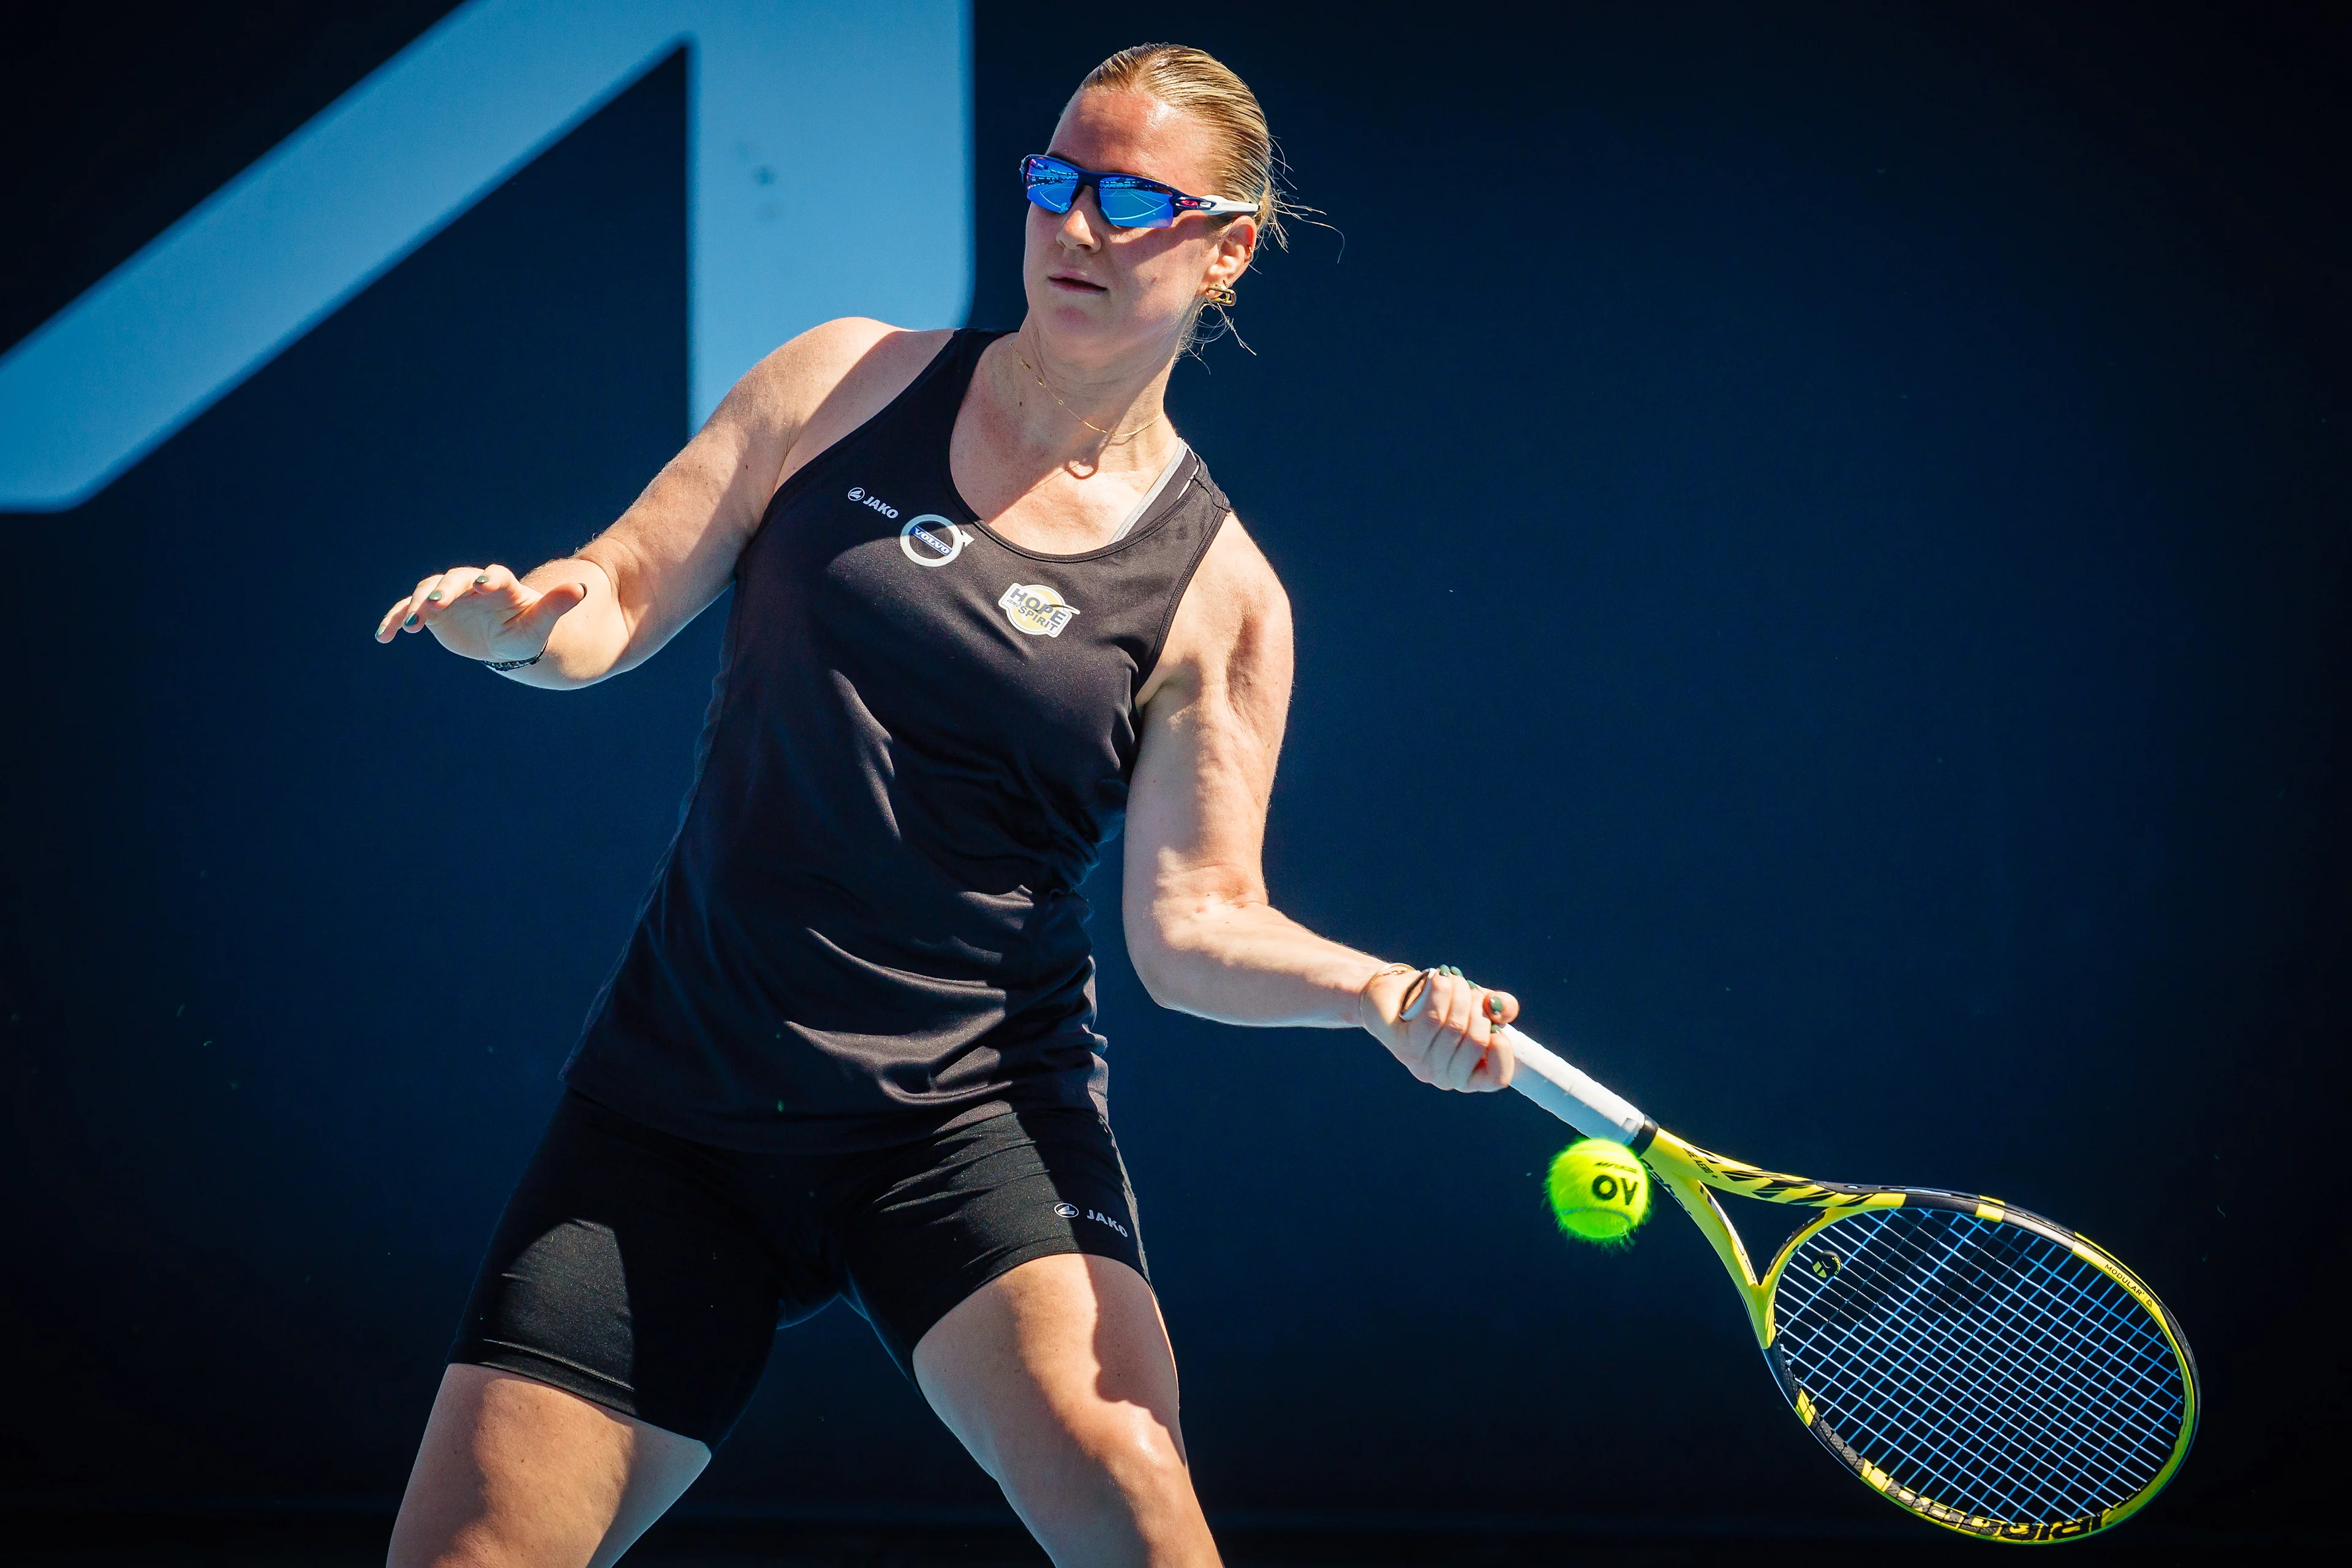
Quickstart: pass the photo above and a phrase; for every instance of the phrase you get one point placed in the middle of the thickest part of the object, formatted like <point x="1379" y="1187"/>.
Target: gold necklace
<point x="1107" y="436"/>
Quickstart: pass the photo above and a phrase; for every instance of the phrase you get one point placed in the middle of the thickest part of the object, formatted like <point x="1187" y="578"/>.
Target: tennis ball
<point x="1599" y="1191"/>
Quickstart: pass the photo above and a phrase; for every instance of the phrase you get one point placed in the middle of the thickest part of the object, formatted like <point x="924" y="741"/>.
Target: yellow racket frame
<point x="1694" y="1175"/>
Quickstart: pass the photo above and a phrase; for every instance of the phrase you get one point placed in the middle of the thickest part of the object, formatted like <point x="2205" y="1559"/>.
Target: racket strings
<point x="1995" y="1407"/>
<point x="2051" y="1470"/>
<point x="1982" y="1365"/>
<point x="2057" y="1461"/>
<point x="1884" y="1365"/>
<point x="1993" y="1410"/>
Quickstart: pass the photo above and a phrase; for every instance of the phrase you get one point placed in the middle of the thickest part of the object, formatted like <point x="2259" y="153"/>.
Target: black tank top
<point x="868" y="927"/>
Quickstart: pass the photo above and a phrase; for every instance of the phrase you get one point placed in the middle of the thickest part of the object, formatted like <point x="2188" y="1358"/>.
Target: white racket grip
<point x="1575" y="1099"/>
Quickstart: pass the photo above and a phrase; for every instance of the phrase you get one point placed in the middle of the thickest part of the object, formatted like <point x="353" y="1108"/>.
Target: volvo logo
<point x="931" y="540"/>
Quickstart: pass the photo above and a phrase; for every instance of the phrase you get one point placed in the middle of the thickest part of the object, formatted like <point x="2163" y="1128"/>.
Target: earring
<point x="1220" y="295"/>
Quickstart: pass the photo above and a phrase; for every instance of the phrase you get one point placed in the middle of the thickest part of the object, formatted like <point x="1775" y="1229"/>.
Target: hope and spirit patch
<point x="1036" y="609"/>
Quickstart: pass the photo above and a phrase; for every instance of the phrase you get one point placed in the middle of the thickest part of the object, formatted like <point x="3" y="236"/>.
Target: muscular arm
<point x="1204" y="936"/>
<point x="626" y="593"/>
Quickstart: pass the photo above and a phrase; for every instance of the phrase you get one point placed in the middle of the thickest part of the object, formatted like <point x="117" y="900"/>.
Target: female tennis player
<point x="989" y="607"/>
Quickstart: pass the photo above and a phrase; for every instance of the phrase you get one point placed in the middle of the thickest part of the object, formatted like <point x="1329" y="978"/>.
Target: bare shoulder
<point x="1232" y="628"/>
<point x="1235" y="585"/>
<point x="847" y="356"/>
<point x="828" y="381"/>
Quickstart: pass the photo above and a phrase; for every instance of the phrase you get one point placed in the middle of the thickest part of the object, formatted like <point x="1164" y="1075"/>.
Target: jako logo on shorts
<point x="1036" y="609"/>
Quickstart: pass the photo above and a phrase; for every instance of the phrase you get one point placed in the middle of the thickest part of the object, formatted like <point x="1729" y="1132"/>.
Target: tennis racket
<point x="1976" y="1364"/>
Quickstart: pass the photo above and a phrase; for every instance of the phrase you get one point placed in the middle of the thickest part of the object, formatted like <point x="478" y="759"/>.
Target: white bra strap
<point x="1175" y="459"/>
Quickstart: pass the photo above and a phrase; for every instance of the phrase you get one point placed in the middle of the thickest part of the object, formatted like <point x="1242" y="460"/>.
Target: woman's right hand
<point x="482" y="613"/>
<point x="1447" y="1030"/>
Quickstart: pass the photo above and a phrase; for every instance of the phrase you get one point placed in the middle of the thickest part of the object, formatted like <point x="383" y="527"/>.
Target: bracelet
<point x="1418" y="991"/>
<point x="1365" y="989"/>
<point x="514" y="663"/>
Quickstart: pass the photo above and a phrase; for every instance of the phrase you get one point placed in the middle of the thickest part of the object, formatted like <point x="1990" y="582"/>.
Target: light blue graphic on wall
<point x="830" y="156"/>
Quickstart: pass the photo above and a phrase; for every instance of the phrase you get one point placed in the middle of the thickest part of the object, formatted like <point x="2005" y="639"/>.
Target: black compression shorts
<point x="649" y="1273"/>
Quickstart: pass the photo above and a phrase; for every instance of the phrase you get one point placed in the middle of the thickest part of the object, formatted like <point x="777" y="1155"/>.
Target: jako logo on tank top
<point x="931" y="540"/>
<point x="857" y="493"/>
<point x="1036" y="609"/>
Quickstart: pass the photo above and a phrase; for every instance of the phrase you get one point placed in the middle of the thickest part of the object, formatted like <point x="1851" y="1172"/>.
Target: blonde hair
<point x="1198" y="83"/>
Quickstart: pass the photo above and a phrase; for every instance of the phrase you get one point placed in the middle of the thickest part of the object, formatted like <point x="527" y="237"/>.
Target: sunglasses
<point x="1127" y="201"/>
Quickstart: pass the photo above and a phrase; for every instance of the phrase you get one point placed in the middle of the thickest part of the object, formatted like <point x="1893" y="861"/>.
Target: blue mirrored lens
<point x="1051" y="186"/>
<point x="1134" y="206"/>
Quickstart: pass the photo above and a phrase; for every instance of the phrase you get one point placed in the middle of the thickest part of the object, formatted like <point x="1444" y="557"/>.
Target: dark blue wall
<point x="1819" y="548"/>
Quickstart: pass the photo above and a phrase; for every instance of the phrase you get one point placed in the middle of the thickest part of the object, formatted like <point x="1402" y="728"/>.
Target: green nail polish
<point x="409" y="622"/>
<point x="482" y="579"/>
<point x="436" y="594"/>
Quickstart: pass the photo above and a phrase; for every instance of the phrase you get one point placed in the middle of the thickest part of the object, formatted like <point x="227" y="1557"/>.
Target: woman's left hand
<point x="1444" y="1028"/>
